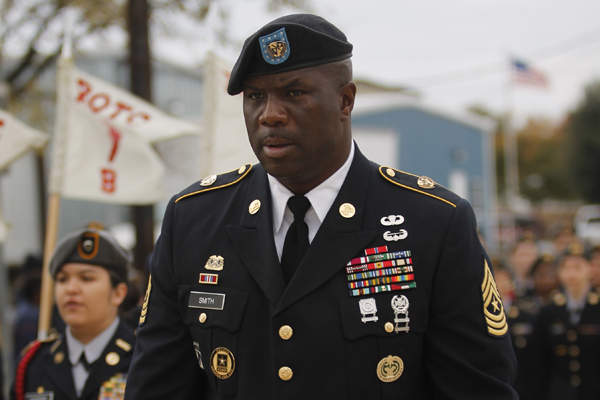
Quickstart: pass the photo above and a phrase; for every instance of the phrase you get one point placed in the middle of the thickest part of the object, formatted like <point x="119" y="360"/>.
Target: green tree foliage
<point x="544" y="170"/>
<point x="584" y="141"/>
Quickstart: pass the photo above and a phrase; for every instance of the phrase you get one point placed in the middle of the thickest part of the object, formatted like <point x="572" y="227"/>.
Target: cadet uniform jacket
<point x="569" y="354"/>
<point x="48" y="375"/>
<point x="308" y="340"/>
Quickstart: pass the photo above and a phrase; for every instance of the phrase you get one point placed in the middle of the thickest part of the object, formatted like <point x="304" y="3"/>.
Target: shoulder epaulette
<point x="49" y="339"/>
<point x="419" y="184"/>
<point x="214" y="182"/>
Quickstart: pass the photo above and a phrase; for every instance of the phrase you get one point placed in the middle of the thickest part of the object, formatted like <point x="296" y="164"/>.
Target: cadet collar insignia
<point x="275" y="47"/>
<point x="145" y="304"/>
<point x="123" y="344"/>
<point x="112" y="359"/>
<point x="214" y="182"/>
<point x="418" y="183"/>
<point x="492" y="305"/>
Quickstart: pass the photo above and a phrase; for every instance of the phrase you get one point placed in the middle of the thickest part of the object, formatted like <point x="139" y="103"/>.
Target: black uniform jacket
<point x="331" y="354"/>
<point x="568" y="354"/>
<point x="49" y="375"/>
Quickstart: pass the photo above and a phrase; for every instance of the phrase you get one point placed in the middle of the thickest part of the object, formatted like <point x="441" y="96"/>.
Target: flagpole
<point x="55" y="179"/>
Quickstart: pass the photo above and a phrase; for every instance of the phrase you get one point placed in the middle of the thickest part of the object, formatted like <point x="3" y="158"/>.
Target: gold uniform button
<point x="574" y="365"/>
<point x="389" y="327"/>
<point x="40" y="389"/>
<point x="390" y="172"/>
<point x="59" y="357"/>
<point x="347" y="210"/>
<point x="112" y="358"/>
<point x="285" y="373"/>
<point x="286" y="332"/>
<point x="575" y="380"/>
<point x="571" y="335"/>
<point x="574" y="351"/>
<point x="202" y="318"/>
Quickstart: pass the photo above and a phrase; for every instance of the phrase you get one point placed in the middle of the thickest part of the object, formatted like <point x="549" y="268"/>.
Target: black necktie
<point x="83" y="360"/>
<point x="296" y="240"/>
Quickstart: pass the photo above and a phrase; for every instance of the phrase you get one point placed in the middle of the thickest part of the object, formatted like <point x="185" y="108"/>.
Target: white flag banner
<point x="226" y="137"/>
<point x="16" y="138"/>
<point x="103" y="146"/>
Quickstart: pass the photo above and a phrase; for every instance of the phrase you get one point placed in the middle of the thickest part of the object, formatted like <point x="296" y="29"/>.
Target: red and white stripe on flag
<point x="524" y="73"/>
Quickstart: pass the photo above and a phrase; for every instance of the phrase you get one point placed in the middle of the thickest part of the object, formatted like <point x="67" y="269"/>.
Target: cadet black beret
<point x="288" y="43"/>
<point x="95" y="246"/>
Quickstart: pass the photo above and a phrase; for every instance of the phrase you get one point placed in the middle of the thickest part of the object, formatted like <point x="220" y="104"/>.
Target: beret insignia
<point x="275" y="47"/>
<point x="492" y="305"/>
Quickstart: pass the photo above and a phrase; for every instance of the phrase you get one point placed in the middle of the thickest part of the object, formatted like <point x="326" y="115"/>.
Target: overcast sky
<point x="455" y="53"/>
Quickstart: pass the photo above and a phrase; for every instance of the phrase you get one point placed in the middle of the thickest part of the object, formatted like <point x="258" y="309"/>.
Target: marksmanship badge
<point x="368" y="309"/>
<point x="275" y="47"/>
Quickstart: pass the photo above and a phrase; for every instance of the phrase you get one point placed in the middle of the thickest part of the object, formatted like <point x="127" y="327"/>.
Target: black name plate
<point x="211" y="301"/>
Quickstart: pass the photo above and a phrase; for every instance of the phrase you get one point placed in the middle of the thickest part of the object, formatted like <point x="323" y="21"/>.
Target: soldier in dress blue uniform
<point x="568" y="333"/>
<point x="91" y="358"/>
<point x="317" y="273"/>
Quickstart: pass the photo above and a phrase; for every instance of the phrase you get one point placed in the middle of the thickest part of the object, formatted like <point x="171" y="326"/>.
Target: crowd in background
<point x="550" y="294"/>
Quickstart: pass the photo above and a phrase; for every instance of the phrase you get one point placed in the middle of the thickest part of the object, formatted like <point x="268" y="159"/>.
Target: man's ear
<point x="347" y="95"/>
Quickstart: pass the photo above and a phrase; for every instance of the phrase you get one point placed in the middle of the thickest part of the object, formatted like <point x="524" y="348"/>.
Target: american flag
<point x="523" y="73"/>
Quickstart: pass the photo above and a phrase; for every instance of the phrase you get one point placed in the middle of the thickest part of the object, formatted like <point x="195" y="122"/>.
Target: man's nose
<point x="274" y="113"/>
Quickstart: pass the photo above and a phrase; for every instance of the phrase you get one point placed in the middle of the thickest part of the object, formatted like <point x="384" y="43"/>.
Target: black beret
<point x="288" y="43"/>
<point x="95" y="246"/>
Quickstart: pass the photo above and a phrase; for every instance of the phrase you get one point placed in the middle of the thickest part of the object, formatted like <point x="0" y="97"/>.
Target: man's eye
<point x="255" y="96"/>
<point x="295" y="93"/>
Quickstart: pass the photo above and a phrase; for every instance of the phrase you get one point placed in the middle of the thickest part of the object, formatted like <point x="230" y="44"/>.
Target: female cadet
<point x="568" y="334"/>
<point x="91" y="358"/>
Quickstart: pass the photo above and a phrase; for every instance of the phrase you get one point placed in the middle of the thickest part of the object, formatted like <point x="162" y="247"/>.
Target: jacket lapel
<point x="61" y="373"/>
<point x="253" y="239"/>
<point x="338" y="238"/>
<point x="102" y="370"/>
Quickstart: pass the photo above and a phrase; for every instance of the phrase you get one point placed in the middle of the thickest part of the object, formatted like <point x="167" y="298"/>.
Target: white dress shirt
<point x="321" y="198"/>
<point x="93" y="350"/>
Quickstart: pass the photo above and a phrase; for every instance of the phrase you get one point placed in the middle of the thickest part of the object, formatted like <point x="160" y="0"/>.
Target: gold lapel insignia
<point x="492" y="305"/>
<point x="242" y="170"/>
<point x="425" y="182"/>
<point x="347" y="210"/>
<point x="254" y="207"/>
<point x="390" y="368"/>
<point x="123" y="344"/>
<point x="59" y="357"/>
<point x="112" y="359"/>
<point x="209" y="180"/>
<point x="390" y="172"/>
<point x="215" y="263"/>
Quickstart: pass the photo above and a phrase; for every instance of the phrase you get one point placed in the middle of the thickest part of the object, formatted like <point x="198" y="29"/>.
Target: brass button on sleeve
<point x="285" y="373"/>
<point x="202" y="318"/>
<point x="286" y="332"/>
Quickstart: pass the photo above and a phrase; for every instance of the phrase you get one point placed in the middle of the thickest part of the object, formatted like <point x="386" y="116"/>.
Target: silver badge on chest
<point x="400" y="306"/>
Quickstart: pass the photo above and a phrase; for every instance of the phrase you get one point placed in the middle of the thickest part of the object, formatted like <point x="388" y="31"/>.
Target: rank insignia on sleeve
<point x="145" y="304"/>
<point x="492" y="305"/>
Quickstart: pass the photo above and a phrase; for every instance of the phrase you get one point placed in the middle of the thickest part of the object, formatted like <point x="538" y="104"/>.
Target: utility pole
<point x="140" y="73"/>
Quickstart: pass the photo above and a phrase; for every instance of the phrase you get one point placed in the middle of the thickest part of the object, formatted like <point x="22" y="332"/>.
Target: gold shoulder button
<point x="214" y="182"/>
<point x="419" y="184"/>
<point x="593" y="298"/>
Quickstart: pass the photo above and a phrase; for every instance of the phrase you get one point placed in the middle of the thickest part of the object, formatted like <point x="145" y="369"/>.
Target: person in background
<point x="522" y="258"/>
<point x="545" y="282"/>
<point x="595" y="268"/>
<point x="521" y="317"/>
<point x="90" y="359"/>
<point x="568" y="334"/>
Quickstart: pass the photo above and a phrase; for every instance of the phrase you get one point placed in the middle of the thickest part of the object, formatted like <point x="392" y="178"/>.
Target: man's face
<point x="574" y="273"/>
<point x="295" y="125"/>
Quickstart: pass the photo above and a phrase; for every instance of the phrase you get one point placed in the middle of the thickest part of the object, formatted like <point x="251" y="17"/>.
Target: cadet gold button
<point x="575" y="381"/>
<point x="40" y="389"/>
<point x="112" y="358"/>
<point x="59" y="357"/>
<point x="285" y="373"/>
<point x="286" y="332"/>
<point x="574" y="365"/>
<point x="574" y="351"/>
<point x="202" y="318"/>
<point x="347" y="210"/>
<point x="571" y="335"/>
<point x="390" y="172"/>
<point x="389" y="327"/>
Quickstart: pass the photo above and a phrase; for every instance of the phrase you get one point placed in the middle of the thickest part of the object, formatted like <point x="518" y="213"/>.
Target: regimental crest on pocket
<point x="493" y="309"/>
